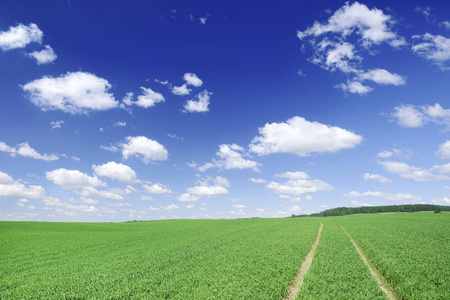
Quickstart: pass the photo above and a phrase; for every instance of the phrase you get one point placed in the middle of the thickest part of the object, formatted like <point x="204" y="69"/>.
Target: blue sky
<point x="197" y="109"/>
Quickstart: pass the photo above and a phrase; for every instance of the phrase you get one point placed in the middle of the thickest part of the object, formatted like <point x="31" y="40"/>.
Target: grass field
<point x="337" y="271"/>
<point x="411" y="250"/>
<point x="202" y="259"/>
<point x="225" y="259"/>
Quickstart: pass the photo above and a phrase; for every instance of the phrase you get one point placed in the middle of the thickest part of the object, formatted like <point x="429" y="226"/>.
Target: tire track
<point x="378" y="277"/>
<point x="296" y="284"/>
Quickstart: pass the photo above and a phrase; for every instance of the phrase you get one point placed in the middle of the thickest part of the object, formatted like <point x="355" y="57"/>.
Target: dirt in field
<point x="295" y="286"/>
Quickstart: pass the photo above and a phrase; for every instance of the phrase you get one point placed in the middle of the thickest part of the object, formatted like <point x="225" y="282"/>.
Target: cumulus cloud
<point x="25" y="150"/>
<point x="208" y="187"/>
<point x="45" y="56"/>
<point x="143" y="148"/>
<point x="188" y="197"/>
<point x="88" y="191"/>
<point x="257" y="180"/>
<point x="387" y="153"/>
<point x="434" y="48"/>
<point x="181" y="90"/>
<point x="371" y="25"/>
<point x="301" y="137"/>
<point x="204" y="191"/>
<point x="413" y="173"/>
<point x="157" y="188"/>
<point x="199" y="105"/>
<point x="382" y="76"/>
<point x="412" y="116"/>
<point x="74" y="93"/>
<point x="115" y="171"/>
<point x="68" y="208"/>
<point x="298" y="183"/>
<point x="357" y="203"/>
<point x="70" y="179"/>
<point x="120" y="124"/>
<point x="334" y="50"/>
<point x="147" y="99"/>
<point x="192" y="79"/>
<point x="230" y="157"/>
<point x="444" y="150"/>
<point x="385" y="196"/>
<point x="15" y="189"/>
<point x="56" y="124"/>
<point x="354" y="87"/>
<point x="376" y="177"/>
<point x="20" y="36"/>
<point x="441" y="201"/>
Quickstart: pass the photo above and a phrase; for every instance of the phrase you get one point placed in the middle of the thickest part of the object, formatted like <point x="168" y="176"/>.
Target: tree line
<point x="340" y="211"/>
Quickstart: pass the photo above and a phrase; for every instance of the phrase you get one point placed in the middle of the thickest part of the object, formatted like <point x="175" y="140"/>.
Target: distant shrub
<point x="437" y="211"/>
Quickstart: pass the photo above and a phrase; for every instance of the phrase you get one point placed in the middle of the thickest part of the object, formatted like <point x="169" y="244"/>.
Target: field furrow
<point x="337" y="271"/>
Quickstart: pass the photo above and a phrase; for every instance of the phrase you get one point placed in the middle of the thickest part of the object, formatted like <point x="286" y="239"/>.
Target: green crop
<point x="412" y="250"/>
<point x="180" y="259"/>
<point x="337" y="271"/>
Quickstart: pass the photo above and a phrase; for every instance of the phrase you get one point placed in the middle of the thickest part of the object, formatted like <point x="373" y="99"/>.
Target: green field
<point x="226" y="259"/>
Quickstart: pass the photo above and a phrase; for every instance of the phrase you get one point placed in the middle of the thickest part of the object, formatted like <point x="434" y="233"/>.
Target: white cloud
<point x="382" y="76"/>
<point x="299" y="183"/>
<point x="442" y="201"/>
<point x="357" y="203"/>
<point x="231" y="157"/>
<point x="444" y="150"/>
<point x="148" y="98"/>
<point x="386" y="153"/>
<point x="157" y="188"/>
<point x="56" y="124"/>
<point x="188" y="197"/>
<point x="409" y="172"/>
<point x="70" y="179"/>
<point x="115" y="171"/>
<point x="333" y="50"/>
<point x="169" y="207"/>
<point x="434" y="48"/>
<point x="445" y="24"/>
<point x="45" y="56"/>
<point x="407" y="115"/>
<point x="5" y="148"/>
<point x="372" y="25"/>
<point x="199" y="105"/>
<point x="218" y="180"/>
<point x="192" y="79"/>
<point x="146" y="149"/>
<point x="110" y="148"/>
<point x="238" y="206"/>
<point x="20" y="36"/>
<point x="91" y="191"/>
<point x="375" y="177"/>
<point x="354" y="87"/>
<point x="385" y="196"/>
<point x="11" y="188"/>
<point x="207" y="191"/>
<point x="301" y="137"/>
<point x="25" y="150"/>
<point x="75" y="93"/>
<point x="120" y="124"/>
<point x="181" y="90"/>
<point x="257" y="180"/>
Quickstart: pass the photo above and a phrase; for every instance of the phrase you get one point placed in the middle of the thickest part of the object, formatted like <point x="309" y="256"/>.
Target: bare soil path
<point x="296" y="284"/>
<point x="378" y="277"/>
